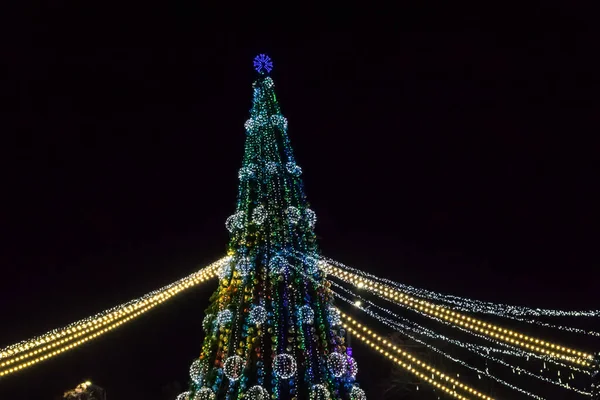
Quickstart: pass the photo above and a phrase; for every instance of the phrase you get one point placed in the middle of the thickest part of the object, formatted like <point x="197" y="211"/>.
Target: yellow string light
<point x="92" y="327"/>
<point x="391" y="351"/>
<point x="470" y="323"/>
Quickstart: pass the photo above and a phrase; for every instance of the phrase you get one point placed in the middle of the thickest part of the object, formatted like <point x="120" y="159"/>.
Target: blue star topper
<point x="263" y="63"/>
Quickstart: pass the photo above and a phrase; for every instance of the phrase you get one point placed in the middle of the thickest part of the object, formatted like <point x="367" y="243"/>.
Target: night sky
<point x="452" y="147"/>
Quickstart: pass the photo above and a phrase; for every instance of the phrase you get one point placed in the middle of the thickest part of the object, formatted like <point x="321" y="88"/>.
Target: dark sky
<point x="452" y="147"/>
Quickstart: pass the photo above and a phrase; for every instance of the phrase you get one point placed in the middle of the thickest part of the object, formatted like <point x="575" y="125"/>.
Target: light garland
<point x="404" y="330"/>
<point x="470" y="323"/>
<point x="14" y="358"/>
<point x="476" y="306"/>
<point x="392" y="352"/>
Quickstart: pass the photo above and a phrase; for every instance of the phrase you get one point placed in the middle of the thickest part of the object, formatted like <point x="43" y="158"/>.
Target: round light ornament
<point x="284" y="366"/>
<point x="334" y="316"/>
<point x="352" y="367"/>
<point x="337" y="364"/>
<point x="319" y="392"/>
<point x="204" y="394"/>
<point x="259" y="215"/>
<point x="306" y="314"/>
<point x="257" y="393"/>
<point x="357" y="393"/>
<point x="258" y="315"/>
<point x="183" y="396"/>
<point x="196" y="372"/>
<point x="233" y="367"/>
<point x="224" y="317"/>
<point x="293" y="214"/>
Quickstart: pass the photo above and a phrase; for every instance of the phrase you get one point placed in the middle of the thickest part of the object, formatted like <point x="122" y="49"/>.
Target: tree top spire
<point x="263" y="64"/>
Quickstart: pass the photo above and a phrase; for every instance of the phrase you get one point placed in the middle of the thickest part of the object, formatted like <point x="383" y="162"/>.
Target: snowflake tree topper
<point x="263" y="64"/>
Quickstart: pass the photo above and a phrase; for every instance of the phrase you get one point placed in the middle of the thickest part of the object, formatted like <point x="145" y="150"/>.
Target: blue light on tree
<point x="262" y="63"/>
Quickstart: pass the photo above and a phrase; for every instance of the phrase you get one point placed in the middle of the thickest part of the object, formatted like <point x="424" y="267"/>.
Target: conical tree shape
<point x="272" y="331"/>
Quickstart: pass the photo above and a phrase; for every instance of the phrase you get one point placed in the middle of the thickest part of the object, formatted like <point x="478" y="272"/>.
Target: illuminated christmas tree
<point x="272" y="331"/>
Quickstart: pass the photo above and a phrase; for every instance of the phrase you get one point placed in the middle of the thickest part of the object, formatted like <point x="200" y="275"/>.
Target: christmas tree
<point x="272" y="331"/>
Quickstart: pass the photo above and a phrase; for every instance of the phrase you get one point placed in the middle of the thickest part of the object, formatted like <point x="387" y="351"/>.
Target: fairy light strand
<point x="472" y="324"/>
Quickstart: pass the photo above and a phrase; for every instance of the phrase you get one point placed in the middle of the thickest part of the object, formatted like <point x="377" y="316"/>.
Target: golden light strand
<point x="470" y="323"/>
<point x="393" y="352"/>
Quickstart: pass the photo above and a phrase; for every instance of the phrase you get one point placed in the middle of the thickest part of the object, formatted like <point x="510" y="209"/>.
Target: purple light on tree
<point x="263" y="63"/>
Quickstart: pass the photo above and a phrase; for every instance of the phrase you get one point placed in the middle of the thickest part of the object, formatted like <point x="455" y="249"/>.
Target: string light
<point x="14" y="358"/>
<point x="387" y="349"/>
<point x="472" y="324"/>
<point x="478" y="306"/>
<point x="423" y="331"/>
